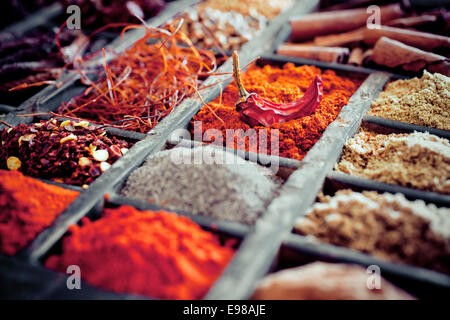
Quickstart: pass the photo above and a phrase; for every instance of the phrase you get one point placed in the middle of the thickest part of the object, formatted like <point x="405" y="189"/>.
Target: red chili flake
<point x="51" y="151"/>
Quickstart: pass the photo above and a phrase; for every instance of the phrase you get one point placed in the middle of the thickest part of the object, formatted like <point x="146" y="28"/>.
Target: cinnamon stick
<point x="367" y="56"/>
<point x="356" y="57"/>
<point x="323" y="23"/>
<point x="326" y="54"/>
<point x="392" y="53"/>
<point x="421" y="40"/>
<point x="413" y="21"/>
<point x="341" y="39"/>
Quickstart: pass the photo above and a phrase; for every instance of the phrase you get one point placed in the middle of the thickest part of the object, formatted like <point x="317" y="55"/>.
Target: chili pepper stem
<point x="243" y="94"/>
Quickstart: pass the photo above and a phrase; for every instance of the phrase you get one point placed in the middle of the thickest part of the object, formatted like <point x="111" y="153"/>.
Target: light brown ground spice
<point x="385" y="225"/>
<point x="424" y="101"/>
<point x="417" y="160"/>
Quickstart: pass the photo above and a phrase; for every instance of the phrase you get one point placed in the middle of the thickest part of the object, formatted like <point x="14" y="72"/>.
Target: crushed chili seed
<point x="63" y="152"/>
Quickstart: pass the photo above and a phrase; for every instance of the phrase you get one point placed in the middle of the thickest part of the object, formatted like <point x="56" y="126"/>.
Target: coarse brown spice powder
<point x="424" y="101"/>
<point x="384" y="225"/>
<point x="417" y="160"/>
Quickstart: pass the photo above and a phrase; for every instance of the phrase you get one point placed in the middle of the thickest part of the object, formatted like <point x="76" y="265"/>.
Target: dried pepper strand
<point x="71" y="152"/>
<point x="158" y="254"/>
<point x="145" y="83"/>
<point x="256" y="110"/>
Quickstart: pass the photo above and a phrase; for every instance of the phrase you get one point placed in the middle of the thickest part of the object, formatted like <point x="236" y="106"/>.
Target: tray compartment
<point x="223" y="231"/>
<point x="272" y="230"/>
<point x="298" y="250"/>
<point x="386" y="126"/>
<point x="263" y="158"/>
<point x="131" y="137"/>
<point x="281" y="176"/>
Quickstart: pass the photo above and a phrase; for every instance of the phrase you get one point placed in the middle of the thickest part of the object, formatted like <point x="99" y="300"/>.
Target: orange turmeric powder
<point x="281" y="85"/>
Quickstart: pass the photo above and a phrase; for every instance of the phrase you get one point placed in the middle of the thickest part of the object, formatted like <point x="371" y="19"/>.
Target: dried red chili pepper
<point x="256" y="110"/>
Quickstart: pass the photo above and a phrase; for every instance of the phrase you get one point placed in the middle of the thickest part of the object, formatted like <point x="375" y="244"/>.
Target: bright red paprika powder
<point x="157" y="254"/>
<point x="280" y="85"/>
<point x="27" y="207"/>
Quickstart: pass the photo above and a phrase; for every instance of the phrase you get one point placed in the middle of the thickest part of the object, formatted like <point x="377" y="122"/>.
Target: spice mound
<point x="70" y="152"/>
<point x="325" y="281"/>
<point x="417" y="160"/>
<point x="27" y="206"/>
<point x="223" y="186"/>
<point x="279" y="85"/>
<point x="157" y="254"/>
<point x="424" y="101"/>
<point x="385" y="225"/>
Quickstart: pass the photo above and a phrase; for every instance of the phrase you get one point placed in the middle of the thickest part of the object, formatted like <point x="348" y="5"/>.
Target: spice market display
<point x="224" y="150"/>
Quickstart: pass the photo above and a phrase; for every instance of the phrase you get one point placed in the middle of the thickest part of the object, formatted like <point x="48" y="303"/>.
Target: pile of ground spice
<point x="157" y="254"/>
<point x="325" y="281"/>
<point x="417" y="160"/>
<point x="63" y="151"/>
<point x="424" y="101"/>
<point x="281" y="85"/>
<point x="229" y="189"/>
<point x="27" y="206"/>
<point x="385" y="225"/>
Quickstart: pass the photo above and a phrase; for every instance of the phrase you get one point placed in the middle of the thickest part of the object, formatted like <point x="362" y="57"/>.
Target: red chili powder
<point x="281" y="85"/>
<point x="158" y="254"/>
<point x="27" y="206"/>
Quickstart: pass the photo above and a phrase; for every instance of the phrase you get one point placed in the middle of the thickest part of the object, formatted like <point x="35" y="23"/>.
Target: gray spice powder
<point x="233" y="190"/>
